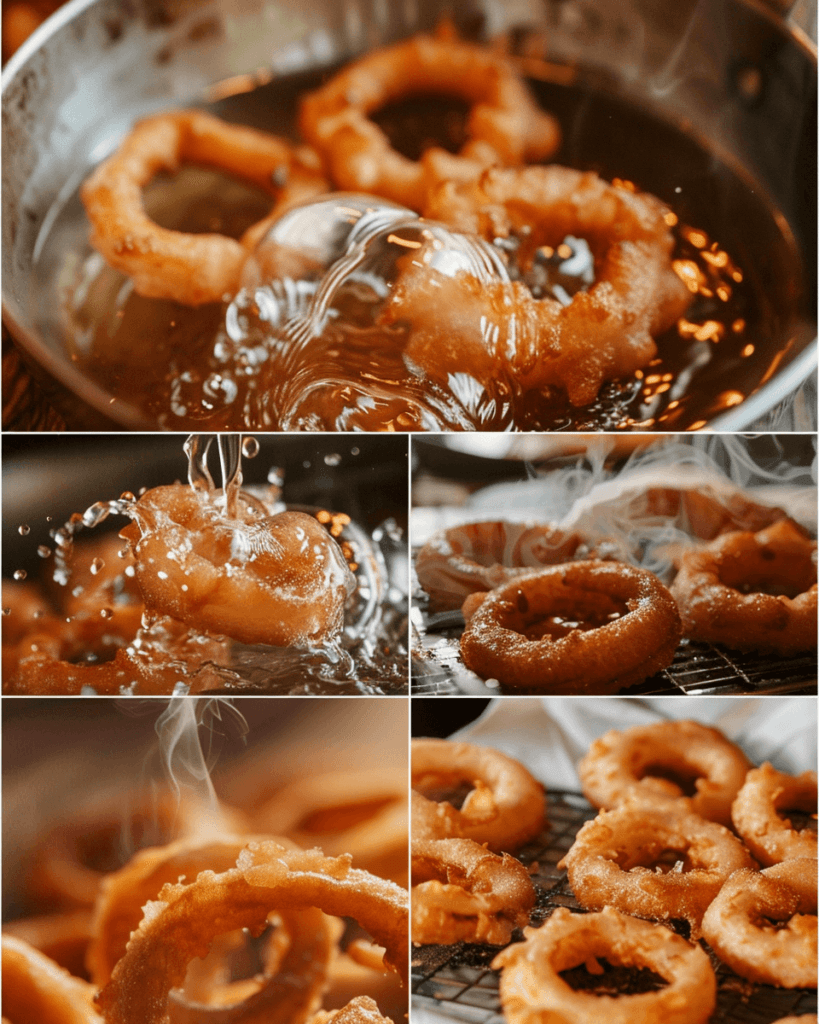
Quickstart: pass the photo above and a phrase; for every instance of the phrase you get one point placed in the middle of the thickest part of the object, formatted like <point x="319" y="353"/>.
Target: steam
<point x="716" y="474"/>
<point x="188" y="731"/>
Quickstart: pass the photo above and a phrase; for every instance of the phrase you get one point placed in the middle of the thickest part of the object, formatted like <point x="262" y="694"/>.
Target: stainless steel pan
<point x="734" y="73"/>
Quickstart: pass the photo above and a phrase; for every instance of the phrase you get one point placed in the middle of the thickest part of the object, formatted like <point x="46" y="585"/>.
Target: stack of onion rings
<point x="720" y="590"/>
<point x="770" y="837"/>
<point x="636" y="762"/>
<point x="461" y="891"/>
<point x="613" y="860"/>
<point x="505" y="124"/>
<point x="622" y="651"/>
<point x="532" y="990"/>
<point x="191" y="269"/>
<point x="737" y="925"/>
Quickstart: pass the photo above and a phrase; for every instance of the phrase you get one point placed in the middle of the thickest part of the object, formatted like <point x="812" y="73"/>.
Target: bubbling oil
<point x="231" y="366"/>
<point x="368" y="657"/>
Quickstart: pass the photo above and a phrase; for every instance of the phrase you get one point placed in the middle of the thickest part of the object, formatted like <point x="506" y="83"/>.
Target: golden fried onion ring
<point x="505" y="808"/>
<point x="475" y="557"/>
<point x="505" y="124"/>
<point x="188" y="268"/>
<point x="720" y="590"/>
<point x="604" y="333"/>
<point x="182" y="922"/>
<point x="352" y="812"/>
<point x="738" y="924"/>
<point x="637" y="761"/>
<point x="279" y="579"/>
<point x="35" y="989"/>
<point x="532" y="991"/>
<point x="618" y="858"/>
<point x="463" y="893"/>
<point x="124" y="893"/>
<point x="769" y="837"/>
<point x="621" y="652"/>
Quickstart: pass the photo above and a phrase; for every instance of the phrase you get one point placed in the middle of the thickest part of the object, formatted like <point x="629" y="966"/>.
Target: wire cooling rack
<point x="698" y="668"/>
<point x="457" y="982"/>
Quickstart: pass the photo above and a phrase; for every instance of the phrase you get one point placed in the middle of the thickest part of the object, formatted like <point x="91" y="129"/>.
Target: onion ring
<point x="737" y="924"/>
<point x="69" y="861"/>
<point x="37" y="989"/>
<point x="63" y="936"/>
<point x="618" y="653"/>
<point x="157" y="659"/>
<point x="613" y="859"/>
<point x="124" y="893"/>
<point x="769" y="837"/>
<point x="505" y="124"/>
<point x="279" y="579"/>
<point x="720" y="590"/>
<point x="345" y="812"/>
<point x="191" y="269"/>
<point x="532" y="991"/>
<point x="505" y="808"/>
<point x="635" y="762"/>
<point x="463" y="893"/>
<point x="482" y="556"/>
<point x="267" y="877"/>
<point x="604" y="333"/>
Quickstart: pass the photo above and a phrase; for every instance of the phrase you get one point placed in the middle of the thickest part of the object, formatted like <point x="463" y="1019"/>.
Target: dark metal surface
<point x="458" y="982"/>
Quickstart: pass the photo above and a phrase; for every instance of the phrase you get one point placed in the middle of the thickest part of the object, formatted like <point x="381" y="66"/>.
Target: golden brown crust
<point x="635" y="762"/>
<point x="192" y="269"/>
<point x="623" y="651"/>
<point x="532" y="991"/>
<point x="613" y="859"/>
<point x="737" y="925"/>
<point x="505" y="808"/>
<point x="769" y="836"/>
<point x="720" y="590"/>
<point x="505" y="124"/>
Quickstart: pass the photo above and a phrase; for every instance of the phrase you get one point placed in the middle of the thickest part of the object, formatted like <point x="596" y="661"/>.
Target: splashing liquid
<point x="221" y="366"/>
<point x="369" y="656"/>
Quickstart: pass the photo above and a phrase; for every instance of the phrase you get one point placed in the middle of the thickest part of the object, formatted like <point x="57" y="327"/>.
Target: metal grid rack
<point x="457" y="982"/>
<point x="699" y="669"/>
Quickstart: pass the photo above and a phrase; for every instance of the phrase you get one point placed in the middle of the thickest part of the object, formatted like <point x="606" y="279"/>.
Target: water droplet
<point x="123" y="553"/>
<point x="20" y="574"/>
<point x="106" y="613"/>
<point x="355" y="451"/>
<point x="43" y="551"/>
<point x="332" y="460"/>
<point x="97" y="566"/>
<point x="49" y="519"/>
<point x="24" y="530"/>
<point x="7" y="611"/>
<point x="130" y="571"/>
<point x="250" y="447"/>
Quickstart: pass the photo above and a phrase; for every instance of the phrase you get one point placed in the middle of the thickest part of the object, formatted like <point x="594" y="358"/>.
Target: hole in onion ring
<point x="605" y="977"/>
